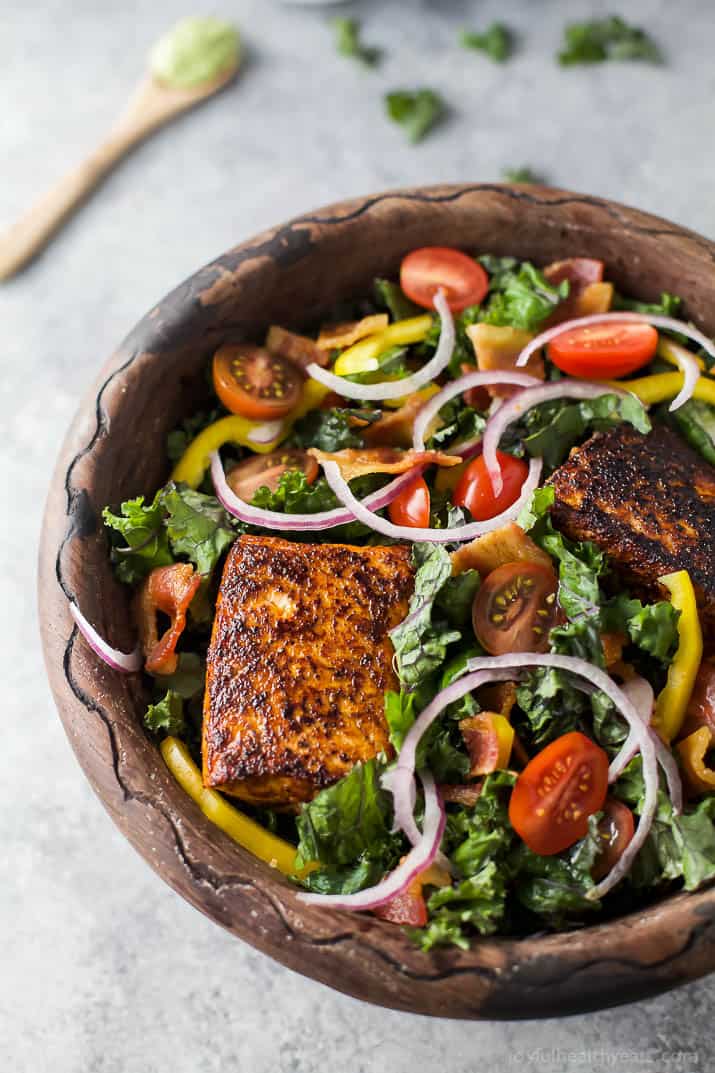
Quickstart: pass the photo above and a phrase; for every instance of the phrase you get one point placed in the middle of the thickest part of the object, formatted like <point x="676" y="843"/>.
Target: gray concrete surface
<point x="102" y="968"/>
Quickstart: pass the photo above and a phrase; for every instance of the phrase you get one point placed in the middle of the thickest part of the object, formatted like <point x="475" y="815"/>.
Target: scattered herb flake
<point x="523" y="174"/>
<point x="610" y="38"/>
<point x="418" y="111"/>
<point x="497" y="41"/>
<point x="348" y="43"/>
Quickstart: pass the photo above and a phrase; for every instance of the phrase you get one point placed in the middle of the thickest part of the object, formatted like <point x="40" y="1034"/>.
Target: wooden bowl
<point x="115" y="449"/>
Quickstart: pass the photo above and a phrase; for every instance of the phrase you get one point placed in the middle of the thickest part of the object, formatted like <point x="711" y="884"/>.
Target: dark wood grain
<point x="115" y="449"/>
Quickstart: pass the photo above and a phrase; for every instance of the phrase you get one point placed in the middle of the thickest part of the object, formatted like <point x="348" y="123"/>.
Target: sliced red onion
<point x="457" y="387"/>
<point x="395" y="389"/>
<point x="404" y="796"/>
<point x="266" y="432"/>
<point x="326" y="519"/>
<point x="517" y="406"/>
<point x="687" y="362"/>
<point x="364" y="514"/>
<point x="640" y="692"/>
<point x="483" y="669"/>
<point x="417" y="860"/>
<point x="126" y="662"/>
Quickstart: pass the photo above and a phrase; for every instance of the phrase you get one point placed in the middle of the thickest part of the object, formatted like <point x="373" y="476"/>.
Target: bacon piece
<point x="579" y="271"/>
<point x="509" y="544"/>
<point x="476" y="397"/>
<point x="169" y="589"/>
<point x="299" y="350"/>
<point x="588" y="293"/>
<point x="489" y="738"/>
<point x="394" y="428"/>
<point x="466" y="794"/>
<point x="612" y="648"/>
<point x="339" y="336"/>
<point x="498" y="347"/>
<point x="357" y="462"/>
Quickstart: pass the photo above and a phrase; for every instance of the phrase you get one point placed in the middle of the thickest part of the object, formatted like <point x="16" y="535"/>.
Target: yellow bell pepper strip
<point x="673" y="700"/>
<point x="668" y="349"/>
<point x="194" y="462"/>
<point x="662" y="386"/>
<point x="362" y="356"/>
<point x="692" y="752"/>
<point x="257" y="840"/>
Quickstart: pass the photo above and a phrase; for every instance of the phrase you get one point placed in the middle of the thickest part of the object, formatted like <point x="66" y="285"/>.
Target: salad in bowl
<point x="427" y="603"/>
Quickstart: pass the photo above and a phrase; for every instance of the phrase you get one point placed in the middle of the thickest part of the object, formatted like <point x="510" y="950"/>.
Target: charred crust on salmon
<point x="298" y="665"/>
<point x="646" y="500"/>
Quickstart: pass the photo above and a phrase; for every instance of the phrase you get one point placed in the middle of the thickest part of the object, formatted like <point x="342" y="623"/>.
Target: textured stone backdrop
<point x="103" y="968"/>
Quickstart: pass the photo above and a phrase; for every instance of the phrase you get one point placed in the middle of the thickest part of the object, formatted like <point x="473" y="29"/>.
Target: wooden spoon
<point x="151" y="106"/>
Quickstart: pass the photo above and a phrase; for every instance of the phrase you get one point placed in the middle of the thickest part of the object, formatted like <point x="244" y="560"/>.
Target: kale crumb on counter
<point x="348" y="42"/>
<point x="417" y="111"/>
<point x="497" y="41"/>
<point x="611" y="38"/>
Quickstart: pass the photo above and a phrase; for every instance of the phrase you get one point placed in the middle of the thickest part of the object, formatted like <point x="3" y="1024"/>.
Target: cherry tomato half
<point x="253" y="473"/>
<point x="424" y="271"/>
<point x="615" y="830"/>
<point x="604" y="350"/>
<point x="475" y="491"/>
<point x="515" y="609"/>
<point x="412" y="506"/>
<point x="251" y="382"/>
<point x="557" y="792"/>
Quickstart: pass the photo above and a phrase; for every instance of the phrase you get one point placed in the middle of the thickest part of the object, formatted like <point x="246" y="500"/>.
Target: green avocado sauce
<point x="196" y="50"/>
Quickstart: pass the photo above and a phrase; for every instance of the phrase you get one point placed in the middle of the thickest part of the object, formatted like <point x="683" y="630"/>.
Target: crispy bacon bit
<point x="170" y="590"/>
<point x="339" y="336"/>
<point x="579" y="271"/>
<point x="500" y="697"/>
<point x="466" y="794"/>
<point x="356" y="462"/>
<point x="587" y="292"/>
<point x="510" y="544"/>
<point x="612" y="648"/>
<point x="299" y="350"/>
<point x="489" y="738"/>
<point x="477" y="397"/>
<point x="394" y="428"/>
<point x="498" y="348"/>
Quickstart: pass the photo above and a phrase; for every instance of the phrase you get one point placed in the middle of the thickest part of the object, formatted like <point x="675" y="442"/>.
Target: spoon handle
<point x="31" y="233"/>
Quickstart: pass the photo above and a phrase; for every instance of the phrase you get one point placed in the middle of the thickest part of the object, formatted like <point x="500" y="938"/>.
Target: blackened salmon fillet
<point x="298" y="665"/>
<point x="646" y="500"/>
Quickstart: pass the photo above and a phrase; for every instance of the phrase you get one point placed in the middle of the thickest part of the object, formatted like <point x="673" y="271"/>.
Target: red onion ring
<point x="125" y="662"/>
<point x="641" y="693"/>
<point x="362" y="513"/>
<point x="417" y="860"/>
<point x="431" y="408"/>
<point x="517" y="406"/>
<point x="395" y="389"/>
<point x="484" y="669"/>
<point x="686" y="362"/>
<point x="274" y="519"/>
